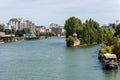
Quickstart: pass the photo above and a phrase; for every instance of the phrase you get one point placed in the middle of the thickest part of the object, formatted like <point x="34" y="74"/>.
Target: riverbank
<point x="28" y="39"/>
<point x="87" y="45"/>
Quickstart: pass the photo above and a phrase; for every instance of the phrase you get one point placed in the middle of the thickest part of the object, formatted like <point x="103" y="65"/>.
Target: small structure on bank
<point x="30" y="36"/>
<point x="73" y="41"/>
<point x="7" y="38"/>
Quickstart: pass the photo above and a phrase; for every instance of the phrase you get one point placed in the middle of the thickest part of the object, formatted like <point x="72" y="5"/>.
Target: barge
<point x="109" y="61"/>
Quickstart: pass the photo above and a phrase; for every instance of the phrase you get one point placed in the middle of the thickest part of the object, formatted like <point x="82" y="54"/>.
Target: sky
<point x="44" y="12"/>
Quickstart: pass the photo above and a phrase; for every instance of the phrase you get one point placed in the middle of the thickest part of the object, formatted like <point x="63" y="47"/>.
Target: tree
<point x="1" y="28"/>
<point x="25" y="30"/>
<point x="19" y="33"/>
<point x="117" y="49"/>
<point x="88" y="32"/>
<point x="110" y="38"/>
<point x="73" y="25"/>
<point x="70" y="41"/>
<point x="113" y="26"/>
<point x="13" y="31"/>
<point x="117" y="31"/>
<point x="7" y="31"/>
<point x="91" y="32"/>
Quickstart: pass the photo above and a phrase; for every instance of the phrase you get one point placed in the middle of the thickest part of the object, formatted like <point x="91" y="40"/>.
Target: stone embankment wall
<point x="76" y="42"/>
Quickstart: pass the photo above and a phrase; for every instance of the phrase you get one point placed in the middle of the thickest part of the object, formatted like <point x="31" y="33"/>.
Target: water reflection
<point x="70" y="64"/>
<point x="110" y="74"/>
<point x="58" y="44"/>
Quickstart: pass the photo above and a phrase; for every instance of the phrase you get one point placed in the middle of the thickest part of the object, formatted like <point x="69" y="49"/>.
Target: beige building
<point x="41" y="29"/>
<point x="58" y="30"/>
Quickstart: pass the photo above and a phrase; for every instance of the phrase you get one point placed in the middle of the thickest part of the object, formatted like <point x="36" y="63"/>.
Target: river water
<point x="50" y="59"/>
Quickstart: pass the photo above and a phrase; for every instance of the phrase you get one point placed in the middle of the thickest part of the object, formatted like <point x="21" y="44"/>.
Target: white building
<point x="7" y="27"/>
<point x="41" y="29"/>
<point x="20" y="23"/>
<point x="58" y="30"/>
<point x="52" y="25"/>
<point x="48" y="30"/>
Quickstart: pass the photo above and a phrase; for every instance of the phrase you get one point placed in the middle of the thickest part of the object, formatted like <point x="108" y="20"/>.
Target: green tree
<point x="110" y="39"/>
<point x="73" y="25"/>
<point x="25" y="30"/>
<point x="88" y="32"/>
<point x="13" y="31"/>
<point x="91" y="32"/>
<point x="19" y="33"/>
<point x="117" y="49"/>
<point x="7" y="31"/>
<point x="70" y="41"/>
<point x="113" y="26"/>
<point x="117" y="31"/>
<point x="1" y="28"/>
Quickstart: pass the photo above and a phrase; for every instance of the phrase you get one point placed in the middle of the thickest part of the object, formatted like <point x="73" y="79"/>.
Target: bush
<point x="109" y="49"/>
<point x="70" y="41"/>
<point x="106" y="49"/>
<point x="103" y="51"/>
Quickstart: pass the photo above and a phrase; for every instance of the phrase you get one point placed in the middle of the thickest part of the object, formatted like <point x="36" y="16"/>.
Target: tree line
<point x="88" y="32"/>
<point x="18" y="33"/>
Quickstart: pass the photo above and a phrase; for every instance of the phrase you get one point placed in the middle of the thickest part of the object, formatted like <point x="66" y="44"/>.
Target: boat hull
<point x="110" y="66"/>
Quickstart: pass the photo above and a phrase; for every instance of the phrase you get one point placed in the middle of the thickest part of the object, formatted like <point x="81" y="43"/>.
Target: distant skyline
<point x="44" y="12"/>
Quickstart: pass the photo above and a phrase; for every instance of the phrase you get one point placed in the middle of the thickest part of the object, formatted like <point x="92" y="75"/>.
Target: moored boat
<point x="109" y="61"/>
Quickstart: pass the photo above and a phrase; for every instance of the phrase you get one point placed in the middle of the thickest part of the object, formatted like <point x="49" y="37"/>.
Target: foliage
<point x="19" y="33"/>
<point x="25" y="30"/>
<point x="91" y="32"/>
<point x="103" y="51"/>
<point x="1" y="28"/>
<point x="117" y="48"/>
<point x="13" y="31"/>
<point x="7" y="31"/>
<point x="73" y="25"/>
<point x="110" y="39"/>
<point x="45" y="34"/>
<point x="50" y="34"/>
<point x="107" y="49"/>
<point x="113" y="26"/>
<point x="117" y="31"/>
<point x="70" y="41"/>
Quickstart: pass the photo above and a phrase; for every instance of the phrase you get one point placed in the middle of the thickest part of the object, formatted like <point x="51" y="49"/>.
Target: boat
<point x="109" y="61"/>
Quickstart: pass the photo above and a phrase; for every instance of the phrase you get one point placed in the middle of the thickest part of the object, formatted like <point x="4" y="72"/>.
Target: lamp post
<point x="75" y="35"/>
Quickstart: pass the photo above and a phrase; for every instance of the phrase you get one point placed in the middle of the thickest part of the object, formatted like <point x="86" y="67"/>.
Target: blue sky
<point x="44" y="12"/>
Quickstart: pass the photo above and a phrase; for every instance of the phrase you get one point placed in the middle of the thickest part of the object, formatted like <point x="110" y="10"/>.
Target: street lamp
<point x="74" y="34"/>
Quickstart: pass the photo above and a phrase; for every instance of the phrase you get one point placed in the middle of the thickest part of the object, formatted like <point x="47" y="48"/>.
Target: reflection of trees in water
<point x="110" y="74"/>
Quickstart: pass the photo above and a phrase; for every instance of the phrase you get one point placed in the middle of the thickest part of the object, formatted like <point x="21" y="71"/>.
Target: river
<point x="50" y="59"/>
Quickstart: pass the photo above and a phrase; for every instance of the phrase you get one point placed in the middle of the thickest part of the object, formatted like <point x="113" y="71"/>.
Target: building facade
<point x="41" y="29"/>
<point x="58" y="30"/>
<point x="20" y="23"/>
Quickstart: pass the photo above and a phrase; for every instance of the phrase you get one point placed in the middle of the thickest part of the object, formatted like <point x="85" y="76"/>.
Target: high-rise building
<point x="20" y="23"/>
